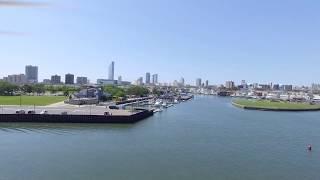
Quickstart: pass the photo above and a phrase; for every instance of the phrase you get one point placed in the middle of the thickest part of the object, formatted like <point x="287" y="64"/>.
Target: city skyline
<point x="70" y="79"/>
<point x="264" y="42"/>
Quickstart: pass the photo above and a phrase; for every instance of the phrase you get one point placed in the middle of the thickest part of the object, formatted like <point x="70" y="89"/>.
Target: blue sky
<point x="218" y="40"/>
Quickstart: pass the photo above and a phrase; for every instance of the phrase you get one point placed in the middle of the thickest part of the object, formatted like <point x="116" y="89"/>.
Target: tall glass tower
<point x="147" y="78"/>
<point x="111" y="71"/>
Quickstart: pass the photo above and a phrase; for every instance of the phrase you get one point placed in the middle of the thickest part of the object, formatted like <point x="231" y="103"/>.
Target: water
<point x="203" y="139"/>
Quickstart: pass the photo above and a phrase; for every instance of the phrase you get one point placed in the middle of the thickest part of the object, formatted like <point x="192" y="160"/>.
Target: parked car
<point x="20" y="112"/>
<point x="64" y="113"/>
<point x="113" y="107"/>
<point x="31" y="112"/>
<point x="44" y="112"/>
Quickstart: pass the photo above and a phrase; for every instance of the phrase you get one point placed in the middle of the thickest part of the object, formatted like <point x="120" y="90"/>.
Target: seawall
<point x="55" y="118"/>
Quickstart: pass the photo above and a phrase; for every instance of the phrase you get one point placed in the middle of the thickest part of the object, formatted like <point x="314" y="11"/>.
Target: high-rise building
<point x="198" y="82"/>
<point x="31" y="74"/>
<point x="82" y="80"/>
<point x="16" y="79"/>
<point x="230" y="85"/>
<point x="140" y="81"/>
<point x="69" y="79"/>
<point x="182" y="81"/>
<point x="244" y="84"/>
<point x="175" y="83"/>
<point x="46" y="81"/>
<point x="287" y="87"/>
<point x="276" y="87"/>
<point x="207" y="83"/>
<point x="119" y="82"/>
<point x="55" y="79"/>
<point x="315" y="87"/>
<point x="147" y="78"/>
<point x="111" y="71"/>
<point x="155" y="79"/>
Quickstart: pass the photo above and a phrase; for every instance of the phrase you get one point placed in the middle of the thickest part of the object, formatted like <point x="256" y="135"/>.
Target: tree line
<point x="8" y="89"/>
<point x="120" y="92"/>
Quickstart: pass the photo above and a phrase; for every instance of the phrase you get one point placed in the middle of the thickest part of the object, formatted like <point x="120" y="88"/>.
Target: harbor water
<point x="205" y="138"/>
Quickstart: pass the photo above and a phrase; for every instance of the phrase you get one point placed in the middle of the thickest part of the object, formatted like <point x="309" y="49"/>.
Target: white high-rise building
<point x="140" y="81"/>
<point x="111" y="71"/>
<point x="230" y="84"/>
<point x="119" y="82"/>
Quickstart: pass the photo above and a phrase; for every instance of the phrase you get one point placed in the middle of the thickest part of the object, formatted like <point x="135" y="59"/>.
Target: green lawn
<point x="31" y="100"/>
<point x="273" y="105"/>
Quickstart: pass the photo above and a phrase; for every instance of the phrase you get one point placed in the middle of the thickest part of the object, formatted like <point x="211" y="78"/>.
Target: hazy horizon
<point x="217" y="40"/>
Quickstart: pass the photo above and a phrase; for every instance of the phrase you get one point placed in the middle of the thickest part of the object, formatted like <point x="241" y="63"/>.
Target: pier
<point x="70" y="114"/>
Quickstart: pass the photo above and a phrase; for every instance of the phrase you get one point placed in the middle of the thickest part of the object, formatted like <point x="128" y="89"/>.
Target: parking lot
<point x="72" y="110"/>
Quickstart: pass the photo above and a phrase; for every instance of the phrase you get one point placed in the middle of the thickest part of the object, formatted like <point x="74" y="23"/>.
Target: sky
<point x="217" y="40"/>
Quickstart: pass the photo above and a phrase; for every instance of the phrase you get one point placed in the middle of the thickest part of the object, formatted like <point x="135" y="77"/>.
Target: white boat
<point x="157" y="110"/>
<point x="165" y="105"/>
<point x="158" y="103"/>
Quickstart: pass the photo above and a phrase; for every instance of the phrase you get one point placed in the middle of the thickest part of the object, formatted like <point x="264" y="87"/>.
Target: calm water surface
<point x="202" y="139"/>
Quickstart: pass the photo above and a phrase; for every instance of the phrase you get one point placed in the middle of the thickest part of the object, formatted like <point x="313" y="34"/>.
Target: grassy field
<point x="31" y="100"/>
<point x="266" y="104"/>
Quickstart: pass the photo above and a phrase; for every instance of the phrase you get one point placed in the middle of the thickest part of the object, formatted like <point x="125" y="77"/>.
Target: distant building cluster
<point x="111" y="80"/>
<point x="32" y="72"/>
<point x="31" y="77"/>
<point x="16" y="79"/>
<point x="150" y="80"/>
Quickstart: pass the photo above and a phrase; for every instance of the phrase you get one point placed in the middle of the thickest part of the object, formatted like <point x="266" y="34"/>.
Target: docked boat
<point x="157" y="110"/>
<point x="158" y="103"/>
<point x="165" y="105"/>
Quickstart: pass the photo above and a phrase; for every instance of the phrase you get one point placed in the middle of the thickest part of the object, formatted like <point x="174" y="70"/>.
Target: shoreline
<point x="273" y="109"/>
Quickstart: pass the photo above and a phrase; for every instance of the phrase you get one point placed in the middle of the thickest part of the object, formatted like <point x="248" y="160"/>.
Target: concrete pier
<point x="72" y="114"/>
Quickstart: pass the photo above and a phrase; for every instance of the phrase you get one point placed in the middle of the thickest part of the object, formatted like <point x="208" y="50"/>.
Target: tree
<point x="26" y="89"/>
<point x="39" y="89"/>
<point x="8" y="89"/>
<point x="115" y="91"/>
<point x="138" y="91"/>
<point x="156" y="91"/>
<point x="51" y="89"/>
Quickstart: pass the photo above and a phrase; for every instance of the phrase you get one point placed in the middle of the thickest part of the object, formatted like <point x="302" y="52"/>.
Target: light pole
<point x="20" y="99"/>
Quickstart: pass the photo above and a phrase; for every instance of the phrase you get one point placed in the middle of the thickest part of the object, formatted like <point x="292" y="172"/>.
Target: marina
<point x="184" y="145"/>
<point x="131" y="111"/>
